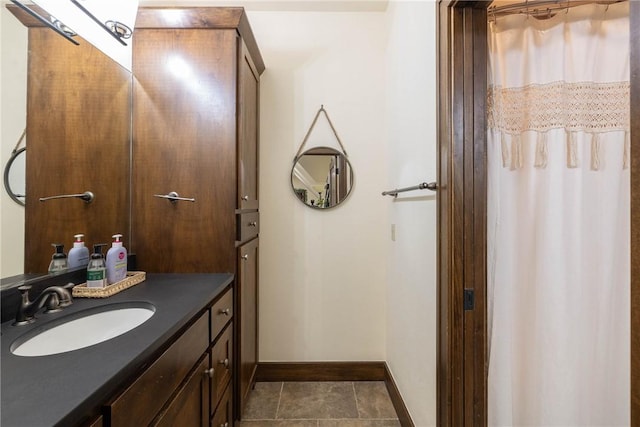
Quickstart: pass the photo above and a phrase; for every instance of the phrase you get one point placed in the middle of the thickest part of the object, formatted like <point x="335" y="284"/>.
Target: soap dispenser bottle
<point x="116" y="261"/>
<point x="58" y="262"/>
<point x="79" y="254"/>
<point x="96" y="271"/>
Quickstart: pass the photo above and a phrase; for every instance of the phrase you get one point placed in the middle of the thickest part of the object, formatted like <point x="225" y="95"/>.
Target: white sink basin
<point x="83" y="329"/>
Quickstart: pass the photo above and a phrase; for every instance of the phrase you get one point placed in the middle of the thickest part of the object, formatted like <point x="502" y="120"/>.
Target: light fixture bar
<point x="44" y="21"/>
<point x="97" y="21"/>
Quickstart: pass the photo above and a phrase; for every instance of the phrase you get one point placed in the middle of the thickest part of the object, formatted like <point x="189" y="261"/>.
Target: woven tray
<point x="133" y="278"/>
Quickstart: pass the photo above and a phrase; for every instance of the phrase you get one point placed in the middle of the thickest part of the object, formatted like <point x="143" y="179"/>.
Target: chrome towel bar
<point x="422" y="186"/>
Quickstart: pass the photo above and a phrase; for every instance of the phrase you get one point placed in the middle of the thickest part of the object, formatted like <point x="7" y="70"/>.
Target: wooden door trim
<point x="462" y="336"/>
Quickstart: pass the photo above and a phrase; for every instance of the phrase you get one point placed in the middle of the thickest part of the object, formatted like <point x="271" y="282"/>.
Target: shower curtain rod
<point x="542" y="7"/>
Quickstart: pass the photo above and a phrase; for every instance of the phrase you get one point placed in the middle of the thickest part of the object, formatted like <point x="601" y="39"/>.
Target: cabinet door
<point x="190" y="407"/>
<point x="248" y="90"/>
<point x="223" y="416"/>
<point x="247" y="317"/>
<point x="142" y="400"/>
<point x="222" y="363"/>
<point x="78" y="135"/>
<point x="184" y="125"/>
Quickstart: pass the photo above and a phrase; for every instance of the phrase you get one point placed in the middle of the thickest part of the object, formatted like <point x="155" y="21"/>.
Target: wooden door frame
<point x="462" y="208"/>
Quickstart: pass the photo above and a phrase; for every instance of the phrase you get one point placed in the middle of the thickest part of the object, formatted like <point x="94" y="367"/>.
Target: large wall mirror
<point x="78" y="131"/>
<point x="322" y="177"/>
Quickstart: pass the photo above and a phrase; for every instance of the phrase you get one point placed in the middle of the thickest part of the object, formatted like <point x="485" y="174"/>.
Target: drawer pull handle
<point x="245" y="198"/>
<point x="245" y="257"/>
<point x="225" y="362"/>
<point x="209" y="372"/>
<point x="253" y="224"/>
<point x="225" y="311"/>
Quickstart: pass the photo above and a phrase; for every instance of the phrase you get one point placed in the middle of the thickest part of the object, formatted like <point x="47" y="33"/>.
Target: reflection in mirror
<point x="79" y="112"/>
<point x="14" y="176"/>
<point x="322" y="177"/>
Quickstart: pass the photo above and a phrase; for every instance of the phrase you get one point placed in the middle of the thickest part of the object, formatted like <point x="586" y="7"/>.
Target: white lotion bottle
<point x="78" y="255"/>
<point x="116" y="261"/>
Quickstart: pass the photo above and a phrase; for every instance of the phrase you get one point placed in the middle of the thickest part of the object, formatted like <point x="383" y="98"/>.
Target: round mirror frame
<point x="323" y="151"/>
<point x="7" y="170"/>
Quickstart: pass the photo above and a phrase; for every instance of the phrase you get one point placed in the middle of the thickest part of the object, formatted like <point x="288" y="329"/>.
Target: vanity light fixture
<point x="115" y="29"/>
<point x="54" y="23"/>
<point x="99" y="22"/>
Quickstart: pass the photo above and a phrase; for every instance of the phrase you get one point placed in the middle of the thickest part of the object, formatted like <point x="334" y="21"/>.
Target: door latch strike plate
<point x="469" y="299"/>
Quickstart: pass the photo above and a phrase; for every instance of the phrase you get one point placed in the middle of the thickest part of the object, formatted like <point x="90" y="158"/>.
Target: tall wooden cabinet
<point x="195" y="136"/>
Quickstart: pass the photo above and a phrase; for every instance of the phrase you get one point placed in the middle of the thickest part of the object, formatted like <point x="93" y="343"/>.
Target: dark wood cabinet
<point x="195" y="133"/>
<point x="145" y="397"/>
<point x="190" y="406"/>
<point x="186" y="384"/>
<point x="247" y="319"/>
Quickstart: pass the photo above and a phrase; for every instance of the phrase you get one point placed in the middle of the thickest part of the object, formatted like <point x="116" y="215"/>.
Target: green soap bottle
<point x="96" y="269"/>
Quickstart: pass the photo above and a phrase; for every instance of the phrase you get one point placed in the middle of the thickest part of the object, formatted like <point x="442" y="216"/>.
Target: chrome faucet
<point x="53" y="298"/>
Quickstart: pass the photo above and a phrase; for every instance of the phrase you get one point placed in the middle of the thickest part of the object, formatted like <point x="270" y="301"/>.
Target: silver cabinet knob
<point x="209" y="372"/>
<point x="253" y="224"/>
<point x="225" y="362"/>
<point x="225" y="311"/>
<point x="224" y="425"/>
<point x="245" y="198"/>
<point x="245" y="257"/>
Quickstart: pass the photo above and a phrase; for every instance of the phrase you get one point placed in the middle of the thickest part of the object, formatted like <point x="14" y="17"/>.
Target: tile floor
<point x="320" y="404"/>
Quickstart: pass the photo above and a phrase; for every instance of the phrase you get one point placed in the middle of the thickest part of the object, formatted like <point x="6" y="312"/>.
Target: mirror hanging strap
<point x="306" y="137"/>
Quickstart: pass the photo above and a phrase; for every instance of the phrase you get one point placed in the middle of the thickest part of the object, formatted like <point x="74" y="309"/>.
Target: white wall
<point x="13" y="107"/>
<point x="322" y="273"/>
<point x="411" y="291"/>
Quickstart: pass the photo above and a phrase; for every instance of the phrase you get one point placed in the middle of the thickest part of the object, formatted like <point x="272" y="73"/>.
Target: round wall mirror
<point x="14" y="176"/>
<point x="322" y="177"/>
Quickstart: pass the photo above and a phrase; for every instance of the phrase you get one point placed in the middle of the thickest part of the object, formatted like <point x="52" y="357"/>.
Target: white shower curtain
<point x="558" y="219"/>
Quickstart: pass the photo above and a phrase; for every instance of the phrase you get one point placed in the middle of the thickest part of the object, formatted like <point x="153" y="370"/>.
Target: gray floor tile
<point x="263" y="401"/>
<point x="317" y="400"/>
<point x="373" y="400"/>
<point x="279" y="423"/>
<point x="358" y="423"/>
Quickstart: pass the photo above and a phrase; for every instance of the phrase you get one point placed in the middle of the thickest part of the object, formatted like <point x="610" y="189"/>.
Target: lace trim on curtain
<point x="576" y="107"/>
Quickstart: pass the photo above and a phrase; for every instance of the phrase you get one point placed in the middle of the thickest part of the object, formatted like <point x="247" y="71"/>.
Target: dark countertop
<point x="64" y="389"/>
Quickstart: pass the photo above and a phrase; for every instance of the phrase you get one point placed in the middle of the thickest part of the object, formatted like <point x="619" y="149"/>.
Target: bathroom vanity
<point x="169" y="151"/>
<point x="177" y="365"/>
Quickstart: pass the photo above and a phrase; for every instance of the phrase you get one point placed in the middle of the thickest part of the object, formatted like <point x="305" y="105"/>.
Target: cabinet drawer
<point x="223" y="416"/>
<point x="190" y="405"/>
<point x="222" y="364"/>
<point x="248" y="226"/>
<point x="221" y="313"/>
<point x="140" y="403"/>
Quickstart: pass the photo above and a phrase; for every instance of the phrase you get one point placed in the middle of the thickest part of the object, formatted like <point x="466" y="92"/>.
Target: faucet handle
<point x="24" y="288"/>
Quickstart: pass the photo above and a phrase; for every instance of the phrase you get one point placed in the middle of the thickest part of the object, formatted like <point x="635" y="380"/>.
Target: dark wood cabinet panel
<point x="221" y="313"/>
<point x="247" y="319"/>
<point x="222" y="363"/>
<point x="223" y="416"/>
<point x="248" y="225"/>
<point x="248" y="96"/>
<point x="141" y="401"/>
<point x="78" y="119"/>
<point x="184" y="141"/>
<point x="189" y="407"/>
